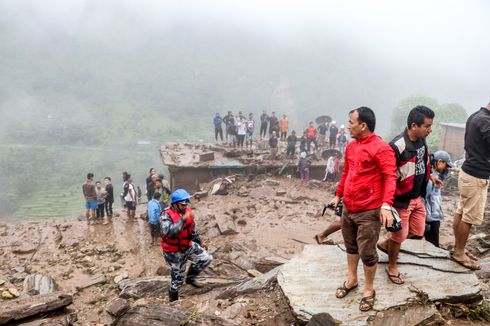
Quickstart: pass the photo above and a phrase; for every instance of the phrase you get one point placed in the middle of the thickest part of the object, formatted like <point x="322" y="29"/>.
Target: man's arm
<point x="386" y="160"/>
<point x="168" y="228"/>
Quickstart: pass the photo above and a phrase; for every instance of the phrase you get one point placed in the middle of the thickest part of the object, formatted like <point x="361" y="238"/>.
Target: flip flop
<point x="465" y="263"/>
<point x="393" y="278"/>
<point x="367" y="303"/>
<point x="344" y="290"/>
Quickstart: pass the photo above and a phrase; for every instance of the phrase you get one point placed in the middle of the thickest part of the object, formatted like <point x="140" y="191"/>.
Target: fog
<point x="82" y="81"/>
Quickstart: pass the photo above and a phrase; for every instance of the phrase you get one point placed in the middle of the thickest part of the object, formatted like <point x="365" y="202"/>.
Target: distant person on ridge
<point x="90" y="195"/>
<point x="273" y="145"/>
<point x="181" y="242"/>
<point x="332" y="140"/>
<point x="291" y="148"/>
<point x="129" y="195"/>
<point x="250" y="130"/>
<point x="273" y="124"/>
<point x="228" y="120"/>
<point x="322" y="132"/>
<point x="283" y="127"/>
<point x="310" y="136"/>
<point x="218" y="130"/>
<point x="109" y="197"/>
<point x="264" y="119"/>
<point x="100" y="192"/>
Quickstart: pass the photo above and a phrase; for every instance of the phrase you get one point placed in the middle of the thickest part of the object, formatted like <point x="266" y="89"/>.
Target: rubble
<point x="117" y="307"/>
<point x="144" y="287"/>
<point x="35" y="284"/>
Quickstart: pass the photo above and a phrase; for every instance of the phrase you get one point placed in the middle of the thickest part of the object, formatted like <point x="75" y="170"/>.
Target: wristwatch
<point x="387" y="207"/>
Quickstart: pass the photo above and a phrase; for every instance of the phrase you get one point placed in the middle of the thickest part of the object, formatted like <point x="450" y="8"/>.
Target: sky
<point x="440" y="40"/>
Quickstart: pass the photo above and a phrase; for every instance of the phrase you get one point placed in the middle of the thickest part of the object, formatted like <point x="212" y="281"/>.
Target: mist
<point x="82" y="81"/>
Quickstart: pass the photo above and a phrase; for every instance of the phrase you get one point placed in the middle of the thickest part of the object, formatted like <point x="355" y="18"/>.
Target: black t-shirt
<point x="110" y="193"/>
<point x="333" y="131"/>
<point x="292" y="139"/>
<point x="322" y="129"/>
<point x="420" y="169"/>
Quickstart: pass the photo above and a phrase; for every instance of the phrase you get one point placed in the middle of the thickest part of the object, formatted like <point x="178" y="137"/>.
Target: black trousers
<point x="291" y="150"/>
<point x="108" y="207"/>
<point x="263" y="129"/>
<point x="432" y="232"/>
<point x="100" y="210"/>
<point x="218" y="131"/>
<point x="284" y="135"/>
<point x="241" y="139"/>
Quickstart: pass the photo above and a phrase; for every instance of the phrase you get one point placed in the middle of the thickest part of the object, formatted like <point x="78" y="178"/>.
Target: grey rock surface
<point x="117" y="307"/>
<point x="39" y="284"/>
<point x="309" y="282"/>
<point x="144" y="287"/>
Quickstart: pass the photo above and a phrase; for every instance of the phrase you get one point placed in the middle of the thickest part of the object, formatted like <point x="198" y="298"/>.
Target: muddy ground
<point x="265" y="220"/>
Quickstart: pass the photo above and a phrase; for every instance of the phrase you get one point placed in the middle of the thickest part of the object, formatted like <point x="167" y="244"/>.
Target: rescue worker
<point x="181" y="242"/>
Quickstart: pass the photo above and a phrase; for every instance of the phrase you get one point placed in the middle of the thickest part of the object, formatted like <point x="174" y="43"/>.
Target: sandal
<point x="396" y="279"/>
<point x="343" y="290"/>
<point x="367" y="303"/>
<point x="465" y="263"/>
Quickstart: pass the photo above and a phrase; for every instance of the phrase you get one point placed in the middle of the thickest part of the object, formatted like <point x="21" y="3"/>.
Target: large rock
<point x="144" y="287"/>
<point x="117" y="307"/>
<point x="309" y="282"/>
<point x="35" y="284"/>
<point x="31" y="306"/>
<point x="408" y="315"/>
<point x="161" y="314"/>
<point x="226" y="224"/>
<point x="252" y="285"/>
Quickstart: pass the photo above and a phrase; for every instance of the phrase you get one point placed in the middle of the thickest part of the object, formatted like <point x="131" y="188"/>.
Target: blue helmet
<point x="179" y="195"/>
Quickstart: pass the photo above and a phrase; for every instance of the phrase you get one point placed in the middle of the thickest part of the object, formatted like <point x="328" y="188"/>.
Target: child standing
<point x="304" y="167"/>
<point x="100" y="192"/>
<point x="433" y="198"/>
<point x="154" y="211"/>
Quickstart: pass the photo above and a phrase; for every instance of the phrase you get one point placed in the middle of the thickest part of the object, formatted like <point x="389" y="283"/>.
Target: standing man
<point x="472" y="183"/>
<point x="332" y="139"/>
<point x="413" y="172"/>
<point x="181" y="242"/>
<point x="367" y="187"/>
<point x="228" y="120"/>
<point x="218" y="130"/>
<point x="273" y="124"/>
<point x="264" y="118"/>
<point x="88" y="189"/>
<point x="250" y="130"/>
<point x="273" y="145"/>
<point x="291" y="148"/>
<point x="129" y="194"/>
<point x="311" y="136"/>
<point x="322" y="132"/>
<point x="109" y="197"/>
<point x="283" y="127"/>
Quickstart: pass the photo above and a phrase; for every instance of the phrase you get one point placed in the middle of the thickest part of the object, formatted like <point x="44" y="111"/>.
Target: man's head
<point x="419" y="121"/>
<point x="179" y="200"/>
<point x="98" y="184"/>
<point x="273" y="113"/>
<point x="310" y="123"/>
<point x="273" y="134"/>
<point x="90" y="176"/>
<point x="217" y="114"/>
<point x="362" y="122"/>
<point x="107" y="180"/>
<point x="250" y="115"/>
<point x="154" y="178"/>
<point x="293" y="133"/>
<point x="128" y="177"/>
<point x="229" y="112"/>
<point x="158" y="183"/>
<point x="284" y="116"/>
<point x="157" y="196"/>
<point x="488" y="106"/>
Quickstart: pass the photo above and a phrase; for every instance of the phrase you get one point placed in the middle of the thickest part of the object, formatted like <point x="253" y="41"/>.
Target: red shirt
<point x="369" y="176"/>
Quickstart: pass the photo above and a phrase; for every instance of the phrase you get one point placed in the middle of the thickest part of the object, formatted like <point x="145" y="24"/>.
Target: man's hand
<point x="335" y="201"/>
<point x="188" y="215"/>
<point x="436" y="181"/>
<point x="386" y="217"/>
<point x="204" y="246"/>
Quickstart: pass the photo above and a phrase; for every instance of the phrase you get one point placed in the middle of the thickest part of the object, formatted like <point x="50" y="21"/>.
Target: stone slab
<point x="310" y="279"/>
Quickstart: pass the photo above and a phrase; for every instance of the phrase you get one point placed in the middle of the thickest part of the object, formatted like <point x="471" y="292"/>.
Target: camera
<point x="338" y="209"/>
<point x="397" y="222"/>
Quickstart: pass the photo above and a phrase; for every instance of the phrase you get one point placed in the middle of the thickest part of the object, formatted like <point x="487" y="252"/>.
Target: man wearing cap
<point x="472" y="183"/>
<point x="181" y="242"/>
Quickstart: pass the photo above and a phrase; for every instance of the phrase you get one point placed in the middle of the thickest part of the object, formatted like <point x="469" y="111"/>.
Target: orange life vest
<point x="183" y="240"/>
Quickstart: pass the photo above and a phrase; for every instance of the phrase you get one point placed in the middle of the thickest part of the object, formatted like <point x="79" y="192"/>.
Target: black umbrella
<point x="330" y="152"/>
<point x="322" y="119"/>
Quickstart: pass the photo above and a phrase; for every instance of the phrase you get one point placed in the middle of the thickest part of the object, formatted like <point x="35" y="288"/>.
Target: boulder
<point x="35" y="284"/>
<point x="96" y="279"/>
<point x="162" y="314"/>
<point x="409" y="315"/>
<point x="226" y="225"/>
<point x="310" y="279"/>
<point x="117" y="307"/>
<point x="30" y="306"/>
<point x="253" y="285"/>
<point x="122" y="276"/>
<point x="147" y="287"/>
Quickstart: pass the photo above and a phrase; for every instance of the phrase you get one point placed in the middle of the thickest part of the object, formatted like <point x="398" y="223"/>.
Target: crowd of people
<point x="396" y="185"/>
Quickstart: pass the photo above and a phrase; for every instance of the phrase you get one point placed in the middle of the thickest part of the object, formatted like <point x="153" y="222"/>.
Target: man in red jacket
<point x="367" y="187"/>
